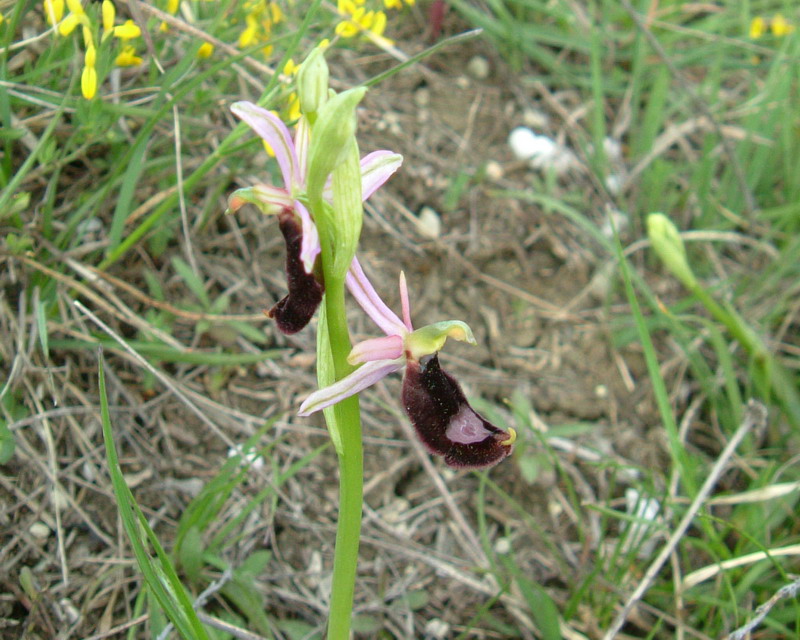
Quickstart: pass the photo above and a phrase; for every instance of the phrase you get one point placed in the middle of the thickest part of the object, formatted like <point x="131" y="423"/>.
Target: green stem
<point x="775" y="375"/>
<point x="351" y="465"/>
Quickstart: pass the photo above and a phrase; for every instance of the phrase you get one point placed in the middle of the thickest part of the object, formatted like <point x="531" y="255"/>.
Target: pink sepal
<point x="363" y="377"/>
<point x="385" y="348"/>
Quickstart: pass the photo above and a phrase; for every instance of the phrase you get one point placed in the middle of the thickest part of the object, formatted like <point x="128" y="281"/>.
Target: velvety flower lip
<point x="446" y="423"/>
<point x="432" y="399"/>
<point x="305" y="284"/>
<point x="296" y="309"/>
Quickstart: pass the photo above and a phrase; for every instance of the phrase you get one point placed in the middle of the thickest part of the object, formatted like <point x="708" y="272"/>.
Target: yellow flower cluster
<point x="778" y="25"/>
<point x="260" y="18"/>
<point x="359" y="18"/>
<point x="77" y="16"/>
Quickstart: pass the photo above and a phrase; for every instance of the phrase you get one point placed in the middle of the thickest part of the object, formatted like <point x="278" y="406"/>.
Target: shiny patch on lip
<point x="466" y="427"/>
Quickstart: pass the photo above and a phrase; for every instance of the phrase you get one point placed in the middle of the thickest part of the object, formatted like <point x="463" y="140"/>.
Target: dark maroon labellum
<point x="445" y="422"/>
<point x="295" y="311"/>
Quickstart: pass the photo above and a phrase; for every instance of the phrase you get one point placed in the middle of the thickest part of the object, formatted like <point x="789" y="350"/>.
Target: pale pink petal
<point x="310" y="247"/>
<point x="369" y="300"/>
<point x="363" y="377"/>
<point x="302" y="139"/>
<point x="385" y="348"/>
<point x="277" y="136"/>
<point x="404" y="302"/>
<point x="376" y="168"/>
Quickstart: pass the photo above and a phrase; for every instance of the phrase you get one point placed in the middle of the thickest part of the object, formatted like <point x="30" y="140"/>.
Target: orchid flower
<point x="432" y="399"/>
<point x="304" y="280"/>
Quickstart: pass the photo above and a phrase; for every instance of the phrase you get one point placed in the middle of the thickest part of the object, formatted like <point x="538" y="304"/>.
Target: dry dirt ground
<point x="534" y="288"/>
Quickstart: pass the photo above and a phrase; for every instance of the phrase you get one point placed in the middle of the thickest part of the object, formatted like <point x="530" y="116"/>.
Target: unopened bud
<point x="312" y="82"/>
<point x="667" y="243"/>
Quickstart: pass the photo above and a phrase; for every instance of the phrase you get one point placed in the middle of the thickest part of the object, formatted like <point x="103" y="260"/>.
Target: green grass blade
<point x="159" y="574"/>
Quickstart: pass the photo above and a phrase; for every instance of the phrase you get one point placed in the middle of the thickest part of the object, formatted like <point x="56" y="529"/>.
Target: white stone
<point x="478" y="67"/>
<point x="429" y="224"/>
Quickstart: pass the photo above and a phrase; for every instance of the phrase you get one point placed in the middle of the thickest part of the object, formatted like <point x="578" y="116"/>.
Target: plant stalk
<point x="351" y="469"/>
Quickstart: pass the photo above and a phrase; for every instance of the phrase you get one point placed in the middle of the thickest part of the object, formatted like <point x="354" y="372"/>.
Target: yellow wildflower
<point x="205" y="50"/>
<point x="780" y="27"/>
<point x="757" y="27"/>
<point x="293" y="112"/>
<point x="275" y="12"/>
<point x="379" y="23"/>
<point x="290" y="68"/>
<point x="127" y="57"/>
<point x="172" y="6"/>
<point x="393" y="4"/>
<point x="54" y="11"/>
<point x="68" y="24"/>
<point x="249" y="35"/>
<point x="127" y="31"/>
<point x="109" y="13"/>
<point x="76" y="7"/>
<point x="89" y="82"/>
<point x="90" y="58"/>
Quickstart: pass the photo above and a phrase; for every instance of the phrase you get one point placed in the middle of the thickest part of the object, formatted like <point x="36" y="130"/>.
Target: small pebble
<point x="526" y="145"/>
<point x="39" y="530"/>
<point x="437" y="629"/>
<point x="429" y="224"/>
<point x="502" y="546"/>
<point x="478" y="67"/>
<point x="422" y="97"/>
<point x="494" y="170"/>
<point x="534" y="119"/>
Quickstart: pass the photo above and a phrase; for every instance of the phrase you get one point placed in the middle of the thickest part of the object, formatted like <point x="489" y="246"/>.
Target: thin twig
<point x="165" y="380"/>
<point x="786" y="591"/>
<point x="755" y="417"/>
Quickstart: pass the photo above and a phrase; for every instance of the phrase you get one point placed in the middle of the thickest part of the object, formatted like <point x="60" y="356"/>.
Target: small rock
<point x="437" y="629"/>
<point x="534" y="119"/>
<point x="502" y="546"/>
<point x="478" y="67"/>
<point x="40" y="531"/>
<point x="494" y="170"/>
<point x="429" y="224"/>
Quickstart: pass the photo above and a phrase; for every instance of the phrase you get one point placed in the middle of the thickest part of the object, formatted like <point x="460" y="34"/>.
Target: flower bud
<point x="667" y="243"/>
<point x="312" y="82"/>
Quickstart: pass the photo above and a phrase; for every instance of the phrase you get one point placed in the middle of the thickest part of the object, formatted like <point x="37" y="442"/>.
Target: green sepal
<point x="326" y="376"/>
<point x="335" y="126"/>
<point x="348" y="210"/>
<point x="249" y="195"/>
<point x="431" y="338"/>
